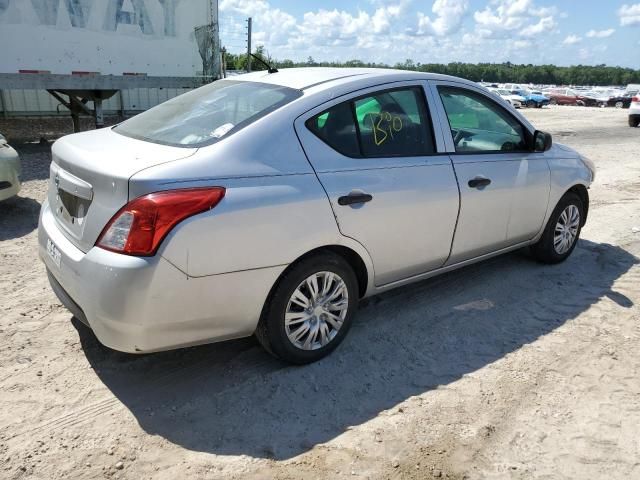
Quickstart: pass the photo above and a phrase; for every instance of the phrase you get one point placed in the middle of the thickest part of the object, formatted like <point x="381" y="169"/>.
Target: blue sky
<point x="562" y="32"/>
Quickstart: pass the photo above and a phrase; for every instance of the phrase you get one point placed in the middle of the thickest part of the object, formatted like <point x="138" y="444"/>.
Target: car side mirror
<point x="542" y="141"/>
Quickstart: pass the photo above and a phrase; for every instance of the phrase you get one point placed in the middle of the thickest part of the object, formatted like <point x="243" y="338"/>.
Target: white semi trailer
<point x="88" y="50"/>
<point x="111" y="37"/>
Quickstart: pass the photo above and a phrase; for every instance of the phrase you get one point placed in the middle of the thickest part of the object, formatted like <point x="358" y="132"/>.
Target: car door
<point x="390" y="183"/>
<point x="570" y="97"/>
<point x="504" y="185"/>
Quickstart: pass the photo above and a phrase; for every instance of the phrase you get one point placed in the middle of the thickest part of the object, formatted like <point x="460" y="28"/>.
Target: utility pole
<point x="216" y="68"/>
<point x="249" y="44"/>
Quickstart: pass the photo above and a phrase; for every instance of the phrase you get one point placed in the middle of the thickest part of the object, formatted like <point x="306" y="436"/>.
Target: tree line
<point x="488" y="72"/>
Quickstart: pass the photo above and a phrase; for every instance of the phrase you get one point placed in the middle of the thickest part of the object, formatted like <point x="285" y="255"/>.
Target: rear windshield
<point x="207" y="114"/>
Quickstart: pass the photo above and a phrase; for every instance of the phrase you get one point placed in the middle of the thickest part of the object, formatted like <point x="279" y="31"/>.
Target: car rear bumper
<point x="9" y="172"/>
<point x="138" y="305"/>
<point x="9" y="188"/>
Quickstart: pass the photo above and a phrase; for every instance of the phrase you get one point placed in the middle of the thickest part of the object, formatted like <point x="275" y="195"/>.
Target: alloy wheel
<point x="316" y="310"/>
<point x="566" y="229"/>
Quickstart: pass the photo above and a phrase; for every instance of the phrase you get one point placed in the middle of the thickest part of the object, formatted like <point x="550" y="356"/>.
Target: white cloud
<point x="600" y="33"/>
<point x="544" y="25"/>
<point x="629" y="15"/>
<point x="340" y="28"/>
<point x="572" y="40"/>
<point x="521" y="44"/>
<point x="272" y="26"/>
<point x="448" y="18"/>
<point x="504" y="18"/>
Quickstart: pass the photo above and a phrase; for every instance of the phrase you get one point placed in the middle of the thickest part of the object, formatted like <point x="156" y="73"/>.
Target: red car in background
<point x="568" y="96"/>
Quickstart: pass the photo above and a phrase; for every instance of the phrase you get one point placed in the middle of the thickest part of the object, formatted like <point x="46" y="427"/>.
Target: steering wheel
<point x="508" y="147"/>
<point x="461" y="135"/>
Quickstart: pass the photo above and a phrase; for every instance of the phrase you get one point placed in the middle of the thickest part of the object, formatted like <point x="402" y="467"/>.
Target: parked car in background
<point x="634" y="111"/>
<point x="9" y="170"/>
<point x="514" y="86"/>
<point x="272" y="203"/>
<point x="515" y="100"/>
<point x="600" y="97"/>
<point x="569" y="96"/>
<point x="532" y="98"/>
<point x="622" y="101"/>
<point x="603" y="97"/>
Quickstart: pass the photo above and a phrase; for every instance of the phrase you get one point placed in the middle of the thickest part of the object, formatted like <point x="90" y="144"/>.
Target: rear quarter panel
<point x="261" y="222"/>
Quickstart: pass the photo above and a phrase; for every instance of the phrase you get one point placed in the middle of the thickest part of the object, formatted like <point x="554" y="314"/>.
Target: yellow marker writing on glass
<point x="384" y="125"/>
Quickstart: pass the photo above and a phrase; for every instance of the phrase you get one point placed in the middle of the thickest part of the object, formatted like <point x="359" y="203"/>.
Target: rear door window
<point x="391" y="123"/>
<point x="337" y="128"/>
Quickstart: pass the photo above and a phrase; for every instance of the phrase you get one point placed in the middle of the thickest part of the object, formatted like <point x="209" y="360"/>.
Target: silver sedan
<point x="272" y="203"/>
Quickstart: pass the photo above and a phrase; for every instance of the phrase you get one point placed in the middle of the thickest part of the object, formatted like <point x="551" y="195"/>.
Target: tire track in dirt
<point x="252" y="364"/>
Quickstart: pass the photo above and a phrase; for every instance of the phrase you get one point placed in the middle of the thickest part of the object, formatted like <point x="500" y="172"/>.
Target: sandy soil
<point x="507" y="369"/>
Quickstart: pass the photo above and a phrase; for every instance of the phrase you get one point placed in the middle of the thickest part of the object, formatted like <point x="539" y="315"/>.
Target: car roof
<point x="307" y="77"/>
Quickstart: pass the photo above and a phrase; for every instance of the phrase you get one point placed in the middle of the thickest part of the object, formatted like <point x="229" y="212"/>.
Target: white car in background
<point x="9" y="170"/>
<point x="634" y="111"/>
<point x="516" y="100"/>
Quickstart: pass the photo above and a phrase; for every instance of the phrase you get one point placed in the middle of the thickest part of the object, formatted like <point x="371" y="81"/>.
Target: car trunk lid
<point x="89" y="179"/>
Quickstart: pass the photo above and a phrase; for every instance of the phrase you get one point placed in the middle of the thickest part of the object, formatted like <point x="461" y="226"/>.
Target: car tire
<point x="284" y="316"/>
<point x="634" y="121"/>
<point x="565" y="223"/>
<point x="553" y="101"/>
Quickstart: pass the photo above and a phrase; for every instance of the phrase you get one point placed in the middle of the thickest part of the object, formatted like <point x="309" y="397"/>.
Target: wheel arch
<point x="352" y="257"/>
<point x="362" y="270"/>
<point x="583" y="193"/>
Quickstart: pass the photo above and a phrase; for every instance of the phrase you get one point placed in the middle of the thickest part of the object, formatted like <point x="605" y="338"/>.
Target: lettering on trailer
<point x="79" y="12"/>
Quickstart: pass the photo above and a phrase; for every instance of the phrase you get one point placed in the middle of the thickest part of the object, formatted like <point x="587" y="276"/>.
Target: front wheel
<point x="561" y="234"/>
<point x="310" y="310"/>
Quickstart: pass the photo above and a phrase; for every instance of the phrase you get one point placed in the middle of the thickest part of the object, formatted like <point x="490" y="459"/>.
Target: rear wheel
<point x="310" y="310"/>
<point x="553" y="101"/>
<point x="619" y="104"/>
<point x="634" y="121"/>
<point x="561" y="234"/>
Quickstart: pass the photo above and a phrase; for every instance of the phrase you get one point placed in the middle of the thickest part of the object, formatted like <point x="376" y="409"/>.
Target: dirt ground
<point x="504" y="370"/>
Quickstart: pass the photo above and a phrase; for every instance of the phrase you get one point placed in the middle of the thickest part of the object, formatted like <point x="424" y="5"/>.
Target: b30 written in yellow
<point x="385" y="125"/>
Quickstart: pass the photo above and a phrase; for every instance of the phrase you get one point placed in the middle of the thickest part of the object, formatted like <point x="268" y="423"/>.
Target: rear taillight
<point x="141" y="225"/>
<point x="635" y="99"/>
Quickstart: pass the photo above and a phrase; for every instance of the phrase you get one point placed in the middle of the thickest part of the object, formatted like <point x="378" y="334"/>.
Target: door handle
<point x="479" y="182"/>
<point x="354" y="198"/>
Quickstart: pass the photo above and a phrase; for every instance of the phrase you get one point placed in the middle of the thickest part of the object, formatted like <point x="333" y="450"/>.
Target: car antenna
<point x="270" y="69"/>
